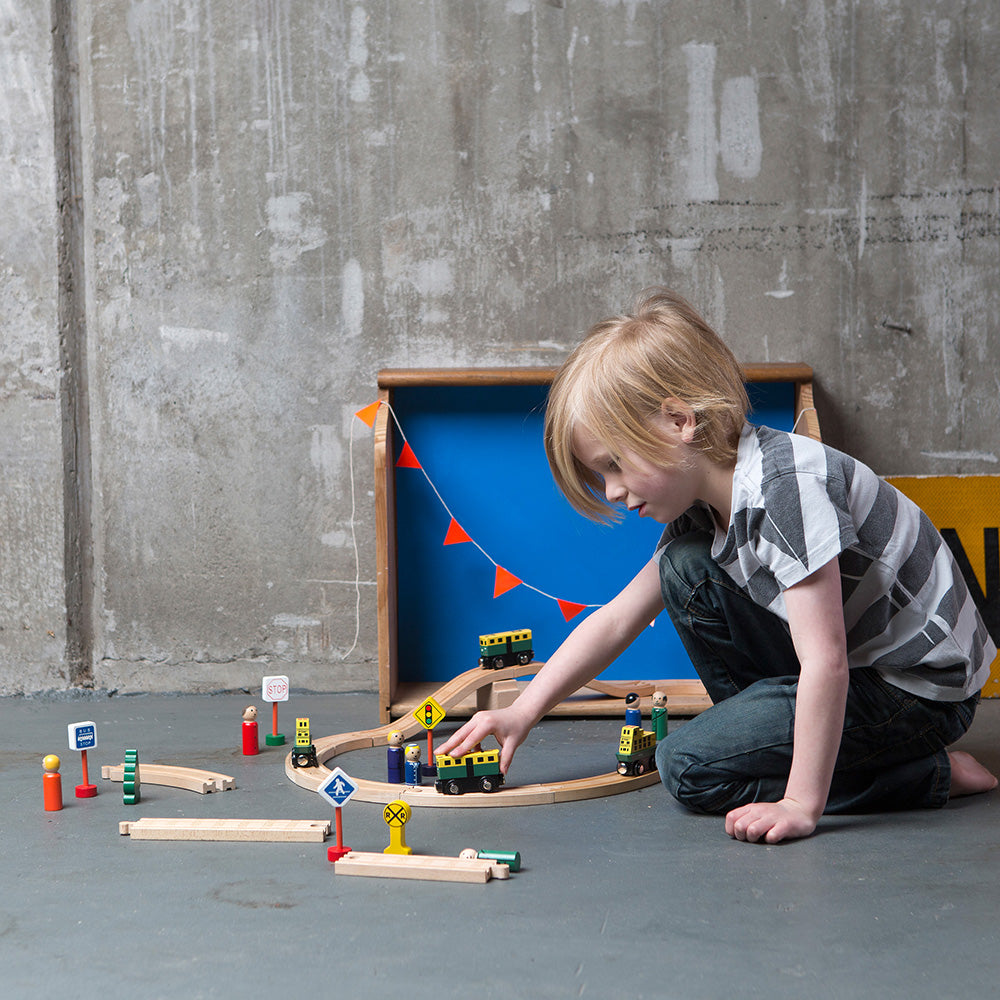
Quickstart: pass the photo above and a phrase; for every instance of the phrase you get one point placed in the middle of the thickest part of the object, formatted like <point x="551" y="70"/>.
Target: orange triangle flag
<point x="456" y="534"/>
<point x="407" y="460"/>
<point x="504" y="581"/>
<point x="570" y="609"/>
<point x="367" y="413"/>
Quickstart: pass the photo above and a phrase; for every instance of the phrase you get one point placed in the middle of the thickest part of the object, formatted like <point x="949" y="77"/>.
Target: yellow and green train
<point x="506" y="649"/>
<point x="304" y="751"/>
<point x="478" y="771"/>
<point x="636" y="750"/>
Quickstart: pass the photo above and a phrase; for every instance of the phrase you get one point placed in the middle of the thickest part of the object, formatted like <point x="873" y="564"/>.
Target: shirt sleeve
<point x="805" y="523"/>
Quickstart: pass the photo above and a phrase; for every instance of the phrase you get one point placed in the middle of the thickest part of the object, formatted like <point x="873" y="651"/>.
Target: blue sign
<point x="338" y="787"/>
<point x="82" y="735"/>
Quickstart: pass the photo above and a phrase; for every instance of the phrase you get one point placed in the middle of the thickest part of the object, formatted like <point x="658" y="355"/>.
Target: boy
<point x="821" y="609"/>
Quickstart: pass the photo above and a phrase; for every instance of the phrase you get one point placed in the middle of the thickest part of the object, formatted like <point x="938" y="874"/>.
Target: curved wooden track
<point x="189" y="778"/>
<point x="448" y="696"/>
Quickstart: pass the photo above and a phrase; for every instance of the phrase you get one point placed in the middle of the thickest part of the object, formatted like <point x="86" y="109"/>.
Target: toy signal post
<point x="429" y="714"/>
<point x="337" y="788"/>
<point x="274" y="689"/>
<point x="83" y="737"/>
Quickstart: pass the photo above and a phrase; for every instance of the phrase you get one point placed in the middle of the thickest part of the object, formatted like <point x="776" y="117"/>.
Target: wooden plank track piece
<point x="266" y="830"/>
<point x="421" y="866"/>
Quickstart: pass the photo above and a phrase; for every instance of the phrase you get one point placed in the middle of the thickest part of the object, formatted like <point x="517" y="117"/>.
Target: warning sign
<point x="966" y="510"/>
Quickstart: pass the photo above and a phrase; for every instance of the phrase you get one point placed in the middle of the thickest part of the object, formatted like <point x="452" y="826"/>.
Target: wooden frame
<point x="395" y="699"/>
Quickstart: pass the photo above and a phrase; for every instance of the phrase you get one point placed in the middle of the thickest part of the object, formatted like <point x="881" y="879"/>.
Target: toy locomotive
<point x="304" y="751"/>
<point x="506" y="649"/>
<point x="636" y="750"/>
<point x="478" y="771"/>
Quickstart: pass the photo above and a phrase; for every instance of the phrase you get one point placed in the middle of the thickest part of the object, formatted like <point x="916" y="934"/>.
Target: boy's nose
<point x="614" y="491"/>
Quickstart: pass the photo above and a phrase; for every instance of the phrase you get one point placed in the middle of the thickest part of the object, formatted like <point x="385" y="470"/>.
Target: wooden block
<point x="421" y="866"/>
<point x="266" y="830"/>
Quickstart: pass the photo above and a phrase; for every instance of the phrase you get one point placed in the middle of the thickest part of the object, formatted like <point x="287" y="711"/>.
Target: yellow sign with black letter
<point x="966" y="510"/>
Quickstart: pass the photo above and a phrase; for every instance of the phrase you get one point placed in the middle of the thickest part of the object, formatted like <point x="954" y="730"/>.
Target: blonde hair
<point x="617" y="379"/>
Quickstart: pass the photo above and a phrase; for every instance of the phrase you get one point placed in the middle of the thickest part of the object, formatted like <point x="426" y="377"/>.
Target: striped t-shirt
<point x="797" y="504"/>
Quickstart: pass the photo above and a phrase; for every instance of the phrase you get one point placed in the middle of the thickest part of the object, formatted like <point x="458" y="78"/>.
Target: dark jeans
<point x="892" y="754"/>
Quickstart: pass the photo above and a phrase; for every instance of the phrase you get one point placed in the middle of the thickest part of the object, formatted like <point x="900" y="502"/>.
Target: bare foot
<point x="968" y="776"/>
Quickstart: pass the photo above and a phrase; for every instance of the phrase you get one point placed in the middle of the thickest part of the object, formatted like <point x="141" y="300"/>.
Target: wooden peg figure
<point x="394" y="757"/>
<point x="658" y="715"/>
<point x="414" y="775"/>
<point x="250" y="743"/>
<point x="633" y="714"/>
<point x="52" y="784"/>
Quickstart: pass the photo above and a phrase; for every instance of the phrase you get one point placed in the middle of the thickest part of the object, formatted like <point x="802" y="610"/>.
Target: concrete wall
<point x="33" y="620"/>
<point x="279" y="198"/>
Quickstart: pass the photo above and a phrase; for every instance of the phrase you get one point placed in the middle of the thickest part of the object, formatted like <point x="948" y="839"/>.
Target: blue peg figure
<point x="394" y="757"/>
<point x="412" y="766"/>
<point x="633" y="715"/>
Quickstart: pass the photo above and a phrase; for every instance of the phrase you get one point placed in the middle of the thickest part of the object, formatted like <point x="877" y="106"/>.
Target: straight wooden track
<point x="263" y="830"/>
<point x="447" y="696"/>
<point x="420" y="866"/>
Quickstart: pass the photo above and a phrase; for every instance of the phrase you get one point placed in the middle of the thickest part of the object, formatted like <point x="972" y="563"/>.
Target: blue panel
<point x="482" y="449"/>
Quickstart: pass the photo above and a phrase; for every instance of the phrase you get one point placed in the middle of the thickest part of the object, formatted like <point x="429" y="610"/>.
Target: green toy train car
<point x="478" y="771"/>
<point x="506" y="649"/>
<point x="636" y="750"/>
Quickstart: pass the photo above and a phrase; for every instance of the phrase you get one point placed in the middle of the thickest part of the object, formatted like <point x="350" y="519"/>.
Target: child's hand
<point x="771" y="822"/>
<point x="505" y="724"/>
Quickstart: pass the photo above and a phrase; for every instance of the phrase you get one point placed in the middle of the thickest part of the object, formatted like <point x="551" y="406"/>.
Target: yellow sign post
<point x="429" y="714"/>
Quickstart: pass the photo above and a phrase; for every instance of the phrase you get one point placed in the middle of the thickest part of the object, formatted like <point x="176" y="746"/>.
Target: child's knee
<point x="684" y="564"/>
<point x="688" y="554"/>
<point x="686" y="777"/>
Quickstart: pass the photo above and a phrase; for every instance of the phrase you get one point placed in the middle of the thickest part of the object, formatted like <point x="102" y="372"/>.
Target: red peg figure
<point x="250" y="744"/>
<point x="52" y="784"/>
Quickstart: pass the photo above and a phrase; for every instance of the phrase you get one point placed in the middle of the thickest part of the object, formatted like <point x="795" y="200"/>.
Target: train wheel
<point x="498" y="662"/>
<point x="453" y="788"/>
<point x="640" y="767"/>
<point x="486" y="784"/>
<point x="524" y="659"/>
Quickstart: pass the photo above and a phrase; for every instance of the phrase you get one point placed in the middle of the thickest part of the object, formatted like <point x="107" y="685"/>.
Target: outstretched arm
<point x="588" y="649"/>
<point x="816" y="619"/>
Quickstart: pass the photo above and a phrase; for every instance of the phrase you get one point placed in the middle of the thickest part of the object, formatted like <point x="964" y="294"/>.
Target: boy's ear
<point x="679" y="418"/>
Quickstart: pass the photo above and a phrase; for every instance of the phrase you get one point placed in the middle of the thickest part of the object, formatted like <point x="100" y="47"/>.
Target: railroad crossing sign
<point x="337" y="788"/>
<point x="429" y="714"/>
<point x="396" y="814"/>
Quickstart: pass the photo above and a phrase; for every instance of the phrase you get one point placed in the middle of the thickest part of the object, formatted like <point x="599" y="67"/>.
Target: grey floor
<point x="627" y="896"/>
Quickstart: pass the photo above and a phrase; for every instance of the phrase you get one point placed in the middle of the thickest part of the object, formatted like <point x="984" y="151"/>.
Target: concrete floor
<point x="628" y="896"/>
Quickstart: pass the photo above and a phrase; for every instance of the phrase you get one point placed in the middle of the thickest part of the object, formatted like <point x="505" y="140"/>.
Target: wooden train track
<point x="262" y="830"/>
<point x="421" y="866"/>
<point x="448" y="696"/>
<point x="189" y="778"/>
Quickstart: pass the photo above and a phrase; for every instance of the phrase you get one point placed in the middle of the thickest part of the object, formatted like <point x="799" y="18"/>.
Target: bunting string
<point x="504" y="580"/>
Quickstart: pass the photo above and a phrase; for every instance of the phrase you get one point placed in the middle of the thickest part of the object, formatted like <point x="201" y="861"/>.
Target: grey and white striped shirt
<point x="797" y="504"/>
